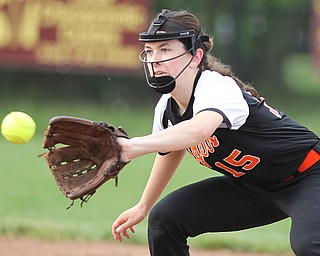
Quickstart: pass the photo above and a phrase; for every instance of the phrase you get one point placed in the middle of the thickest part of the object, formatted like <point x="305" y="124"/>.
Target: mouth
<point x="160" y="74"/>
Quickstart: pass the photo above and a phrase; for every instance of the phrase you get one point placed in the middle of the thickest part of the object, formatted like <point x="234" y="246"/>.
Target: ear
<point x="197" y="58"/>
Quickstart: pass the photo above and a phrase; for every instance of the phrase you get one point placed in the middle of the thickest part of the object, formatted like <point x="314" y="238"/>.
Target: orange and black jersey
<point x="255" y="143"/>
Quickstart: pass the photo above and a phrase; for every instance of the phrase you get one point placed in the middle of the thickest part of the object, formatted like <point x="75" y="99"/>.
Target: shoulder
<point x="214" y="80"/>
<point x="214" y="86"/>
<point x="222" y="94"/>
<point x="213" y="76"/>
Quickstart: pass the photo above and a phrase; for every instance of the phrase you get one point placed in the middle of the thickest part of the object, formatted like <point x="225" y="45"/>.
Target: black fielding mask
<point x="169" y="29"/>
<point x="163" y="84"/>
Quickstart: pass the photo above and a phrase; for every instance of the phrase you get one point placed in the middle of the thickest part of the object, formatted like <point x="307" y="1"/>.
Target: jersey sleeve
<point x="159" y="112"/>
<point x="221" y="94"/>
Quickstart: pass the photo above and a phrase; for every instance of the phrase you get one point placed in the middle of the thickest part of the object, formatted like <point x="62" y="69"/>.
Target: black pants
<point x="223" y="204"/>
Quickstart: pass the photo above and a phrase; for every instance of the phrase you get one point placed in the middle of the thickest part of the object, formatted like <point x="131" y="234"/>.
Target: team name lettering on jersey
<point x="201" y="151"/>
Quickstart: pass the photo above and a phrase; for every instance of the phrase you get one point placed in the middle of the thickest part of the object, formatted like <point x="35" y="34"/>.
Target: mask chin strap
<point x="163" y="84"/>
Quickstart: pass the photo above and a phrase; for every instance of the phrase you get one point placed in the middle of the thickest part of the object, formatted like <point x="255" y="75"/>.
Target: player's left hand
<point x="127" y="220"/>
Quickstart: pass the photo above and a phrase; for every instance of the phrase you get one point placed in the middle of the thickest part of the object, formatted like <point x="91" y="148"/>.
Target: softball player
<point x="270" y="162"/>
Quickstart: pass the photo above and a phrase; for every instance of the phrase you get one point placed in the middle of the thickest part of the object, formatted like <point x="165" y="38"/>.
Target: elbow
<point x="204" y="124"/>
<point x="200" y="133"/>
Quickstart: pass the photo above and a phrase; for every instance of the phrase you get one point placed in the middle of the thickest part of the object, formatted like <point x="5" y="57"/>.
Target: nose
<point x="155" y="64"/>
<point x="155" y="58"/>
<point x="151" y="67"/>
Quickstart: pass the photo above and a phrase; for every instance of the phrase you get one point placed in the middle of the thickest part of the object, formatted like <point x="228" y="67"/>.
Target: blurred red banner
<point x="72" y="35"/>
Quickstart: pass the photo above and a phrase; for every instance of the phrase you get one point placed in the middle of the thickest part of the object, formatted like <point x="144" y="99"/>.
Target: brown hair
<point x="210" y="62"/>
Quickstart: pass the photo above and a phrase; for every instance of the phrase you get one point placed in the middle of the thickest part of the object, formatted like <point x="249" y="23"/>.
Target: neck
<point x="184" y="88"/>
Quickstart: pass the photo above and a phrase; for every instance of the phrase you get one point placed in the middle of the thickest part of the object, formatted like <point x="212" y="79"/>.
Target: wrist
<point x="144" y="208"/>
<point x="125" y="148"/>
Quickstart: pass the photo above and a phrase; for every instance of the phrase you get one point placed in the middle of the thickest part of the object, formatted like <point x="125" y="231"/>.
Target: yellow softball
<point x="18" y="127"/>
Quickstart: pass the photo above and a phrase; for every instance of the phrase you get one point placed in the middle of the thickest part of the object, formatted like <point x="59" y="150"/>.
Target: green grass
<point x="31" y="204"/>
<point x="301" y="75"/>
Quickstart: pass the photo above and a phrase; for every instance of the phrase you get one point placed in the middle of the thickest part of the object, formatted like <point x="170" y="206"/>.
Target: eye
<point x="148" y="52"/>
<point x="164" y="50"/>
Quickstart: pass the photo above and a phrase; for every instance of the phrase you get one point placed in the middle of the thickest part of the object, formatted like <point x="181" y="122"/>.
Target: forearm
<point x="181" y="136"/>
<point x="163" y="169"/>
<point x="178" y="137"/>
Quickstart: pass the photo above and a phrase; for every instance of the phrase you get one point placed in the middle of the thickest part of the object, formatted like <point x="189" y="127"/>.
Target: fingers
<point x="126" y="234"/>
<point x="115" y="233"/>
<point x="126" y="222"/>
<point x="117" y="236"/>
<point x="122" y="230"/>
<point x="121" y="226"/>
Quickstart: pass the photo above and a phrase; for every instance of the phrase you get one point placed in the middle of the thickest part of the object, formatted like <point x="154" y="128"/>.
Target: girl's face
<point x="157" y="52"/>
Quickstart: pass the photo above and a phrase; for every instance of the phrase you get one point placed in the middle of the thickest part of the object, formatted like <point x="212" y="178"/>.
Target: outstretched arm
<point x="181" y="136"/>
